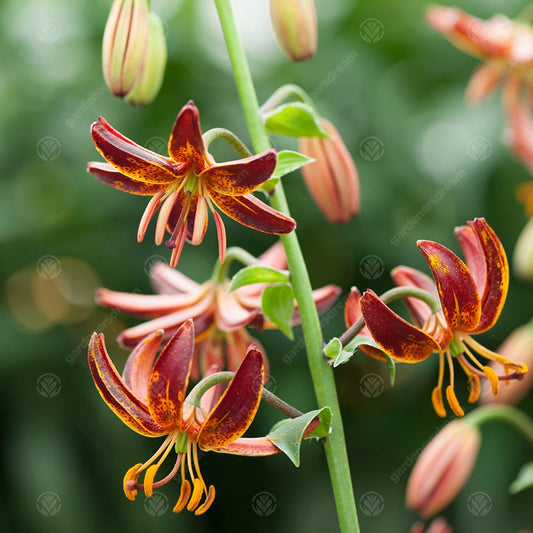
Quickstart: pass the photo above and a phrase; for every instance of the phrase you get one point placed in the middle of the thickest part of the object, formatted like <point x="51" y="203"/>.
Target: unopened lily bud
<point x="332" y="178"/>
<point x="518" y="347"/>
<point x="443" y="468"/>
<point x="439" y="525"/>
<point x="149" y="82"/>
<point x="295" y="26"/>
<point x="523" y="253"/>
<point x="125" y="43"/>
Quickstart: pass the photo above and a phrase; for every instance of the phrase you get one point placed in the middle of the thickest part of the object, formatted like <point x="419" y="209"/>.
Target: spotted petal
<point x="401" y="340"/>
<point x="107" y="174"/>
<point x="131" y="159"/>
<point x="456" y="287"/>
<point x="236" y="409"/>
<point x="130" y="409"/>
<point x="186" y="145"/>
<point x="253" y="213"/>
<point x="244" y="176"/>
<point x="497" y="274"/>
<point x="170" y="377"/>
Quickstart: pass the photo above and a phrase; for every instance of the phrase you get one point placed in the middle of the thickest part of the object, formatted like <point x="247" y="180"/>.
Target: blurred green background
<point x="394" y="89"/>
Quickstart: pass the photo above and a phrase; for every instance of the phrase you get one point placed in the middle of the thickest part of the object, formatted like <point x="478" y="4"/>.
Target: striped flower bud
<point x="295" y="26"/>
<point x="332" y="178"/>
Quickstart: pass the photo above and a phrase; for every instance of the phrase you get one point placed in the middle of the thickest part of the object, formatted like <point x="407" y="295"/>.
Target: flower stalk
<point x="321" y="373"/>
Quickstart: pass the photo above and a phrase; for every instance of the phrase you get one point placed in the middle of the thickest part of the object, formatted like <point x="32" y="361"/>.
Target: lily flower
<point x="150" y="399"/>
<point x="188" y="184"/>
<point x="506" y="48"/>
<point x="471" y="295"/>
<point x="220" y="317"/>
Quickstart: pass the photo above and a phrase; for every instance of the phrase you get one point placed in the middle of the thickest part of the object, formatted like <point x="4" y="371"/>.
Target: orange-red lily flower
<point x="150" y="399"/>
<point x="472" y="296"/>
<point x="186" y="185"/>
<point x="506" y="47"/>
<point x="220" y="317"/>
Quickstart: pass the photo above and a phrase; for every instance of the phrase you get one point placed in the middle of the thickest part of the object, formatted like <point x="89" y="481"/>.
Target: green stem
<point x="203" y="386"/>
<point x="503" y="412"/>
<point x="229" y="137"/>
<point x="284" y="92"/>
<point x="388" y="297"/>
<point x="321" y="373"/>
<point x="220" y="272"/>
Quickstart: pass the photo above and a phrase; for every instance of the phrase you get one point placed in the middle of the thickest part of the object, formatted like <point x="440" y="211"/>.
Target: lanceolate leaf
<point x="257" y="274"/>
<point x="294" y="120"/>
<point x="524" y="480"/>
<point x="288" y="161"/>
<point x="277" y="303"/>
<point x="288" y="434"/>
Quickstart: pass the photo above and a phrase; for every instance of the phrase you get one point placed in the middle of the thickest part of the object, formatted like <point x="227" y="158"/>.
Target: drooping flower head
<point x="188" y="184"/>
<point x="471" y="295"/>
<point x="150" y="399"/>
<point x="506" y="47"/>
<point x="220" y="317"/>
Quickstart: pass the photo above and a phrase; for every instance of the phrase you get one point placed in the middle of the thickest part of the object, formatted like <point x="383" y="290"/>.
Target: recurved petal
<point x="497" y="280"/>
<point x="230" y="314"/>
<point x="401" y="340"/>
<point x="236" y="178"/>
<point x="252" y="447"/>
<point x="169" y="280"/>
<point x="186" y="144"/>
<point x="139" y="364"/>
<point x="253" y="213"/>
<point x="236" y="409"/>
<point x="457" y="290"/>
<point x="131" y="159"/>
<point x="130" y="409"/>
<point x="410" y="277"/>
<point x="474" y="256"/>
<point x="170" y="377"/>
<point x="148" y="305"/>
<point x="107" y="174"/>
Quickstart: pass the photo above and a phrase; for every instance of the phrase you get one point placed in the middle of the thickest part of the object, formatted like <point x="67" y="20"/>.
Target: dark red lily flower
<point x="186" y="185"/>
<point x="150" y="399"/>
<point x="220" y="317"/>
<point x="472" y="296"/>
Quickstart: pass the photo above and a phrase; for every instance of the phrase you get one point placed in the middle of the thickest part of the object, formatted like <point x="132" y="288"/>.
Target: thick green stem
<point x="321" y="372"/>
<point x="507" y="413"/>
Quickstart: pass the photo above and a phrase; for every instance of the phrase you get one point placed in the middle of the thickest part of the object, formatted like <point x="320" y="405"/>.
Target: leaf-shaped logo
<point x="479" y="503"/>
<point x="372" y="148"/>
<point x="157" y="505"/>
<point x="264" y="503"/>
<point x="48" y="267"/>
<point x="371" y="267"/>
<point x="48" y="385"/>
<point x="371" y="385"/>
<point x="479" y="148"/>
<point x="48" y="149"/>
<point x="48" y="503"/>
<point x="371" y="30"/>
<point x="371" y="503"/>
<point x="48" y="30"/>
<point x="157" y="145"/>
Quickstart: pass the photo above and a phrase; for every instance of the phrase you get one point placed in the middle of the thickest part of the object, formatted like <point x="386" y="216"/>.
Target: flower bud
<point x="149" y="82"/>
<point x="332" y="178"/>
<point x="295" y="27"/>
<point x="518" y="347"/>
<point x="523" y="253"/>
<point x="439" y="525"/>
<point x="443" y="468"/>
<point x="134" y="51"/>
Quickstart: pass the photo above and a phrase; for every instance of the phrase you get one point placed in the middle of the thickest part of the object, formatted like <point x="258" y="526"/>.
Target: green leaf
<point x="277" y="303"/>
<point x="524" y="480"/>
<point x="392" y="368"/>
<point x="257" y="274"/>
<point x="333" y="348"/>
<point x="294" y="120"/>
<point x="287" y="435"/>
<point x="288" y="161"/>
